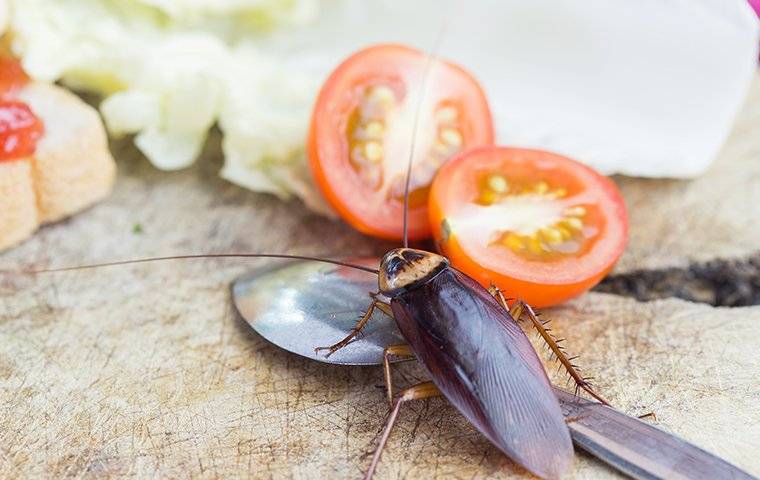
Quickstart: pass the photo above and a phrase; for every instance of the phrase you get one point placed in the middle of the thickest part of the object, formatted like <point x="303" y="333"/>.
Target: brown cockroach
<point x="477" y="356"/>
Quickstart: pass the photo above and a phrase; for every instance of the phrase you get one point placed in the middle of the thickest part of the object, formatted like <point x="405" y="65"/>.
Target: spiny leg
<point x="521" y="309"/>
<point x="651" y="415"/>
<point x="415" y="392"/>
<point x="581" y="382"/>
<point x="379" y="304"/>
<point x="393" y="351"/>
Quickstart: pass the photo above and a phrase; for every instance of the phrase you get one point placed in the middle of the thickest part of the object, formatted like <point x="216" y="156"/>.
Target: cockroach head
<point x="403" y="269"/>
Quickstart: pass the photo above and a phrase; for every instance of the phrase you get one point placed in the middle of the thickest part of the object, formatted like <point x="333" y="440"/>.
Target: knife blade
<point x="638" y="448"/>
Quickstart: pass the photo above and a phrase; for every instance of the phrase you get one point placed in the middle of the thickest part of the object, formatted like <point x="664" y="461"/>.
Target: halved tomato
<point x="540" y="226"/>
<point x="361" y="134"/>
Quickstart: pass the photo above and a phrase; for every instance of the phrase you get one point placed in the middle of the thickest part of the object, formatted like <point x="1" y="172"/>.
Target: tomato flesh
<point x="362" y="127"/>
<point x="538" y="225"/>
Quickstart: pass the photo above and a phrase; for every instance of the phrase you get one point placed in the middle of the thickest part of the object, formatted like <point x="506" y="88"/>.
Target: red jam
<point x="19" y="130"/>
<point x="19" y="127"/>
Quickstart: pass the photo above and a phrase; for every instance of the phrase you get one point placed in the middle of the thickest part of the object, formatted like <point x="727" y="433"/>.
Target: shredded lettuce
<point x="169" y="70"/>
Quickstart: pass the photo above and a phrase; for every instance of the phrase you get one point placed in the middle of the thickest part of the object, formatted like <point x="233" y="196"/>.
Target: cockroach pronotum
<point x="469" y="340"/>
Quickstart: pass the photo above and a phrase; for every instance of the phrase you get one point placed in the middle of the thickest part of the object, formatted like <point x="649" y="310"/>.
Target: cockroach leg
<point x="581" y="382"/>
<point x="382" y="306"/>
<point x="651" y="415"/>
<point x="576" y="418"/>
<point x="517" y="308"/>
<point x="393" y="351"/>
<point x="415" y="392"/>
<point x="520" y="310"/>
<point x="515" y="311"/>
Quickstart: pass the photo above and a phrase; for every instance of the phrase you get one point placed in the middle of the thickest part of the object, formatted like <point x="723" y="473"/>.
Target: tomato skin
<point x="539" y="295"/>
<point x="327" y="146"/>
<point x="532" y="282"/>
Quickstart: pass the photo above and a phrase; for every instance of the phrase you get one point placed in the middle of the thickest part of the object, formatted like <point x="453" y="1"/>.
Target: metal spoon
<point x="304" y="304"/>
<point x="301" y="305"/>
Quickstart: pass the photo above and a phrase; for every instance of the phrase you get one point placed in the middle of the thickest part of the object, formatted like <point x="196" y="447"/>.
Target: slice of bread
<point x="18" y="204"/>
<point x="73" y="167"/>
<point x="70" y="170"/>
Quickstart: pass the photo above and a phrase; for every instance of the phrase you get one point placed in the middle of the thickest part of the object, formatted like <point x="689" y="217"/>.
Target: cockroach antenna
<point x="423" y="88"/>
<point x="33" y="271"/>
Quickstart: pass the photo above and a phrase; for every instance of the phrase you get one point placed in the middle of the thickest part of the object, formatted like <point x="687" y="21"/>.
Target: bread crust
<point x="18" y="204"/>
<point x="73" y="167"/>
<point x="70" y="170"/>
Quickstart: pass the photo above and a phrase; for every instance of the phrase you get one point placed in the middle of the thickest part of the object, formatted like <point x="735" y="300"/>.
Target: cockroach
<point x="469" y="340"/>
<point x="477" y="356"/>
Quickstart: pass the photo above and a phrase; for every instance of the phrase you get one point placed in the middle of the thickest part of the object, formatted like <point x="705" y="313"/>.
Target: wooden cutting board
<point x="147" y="371"/>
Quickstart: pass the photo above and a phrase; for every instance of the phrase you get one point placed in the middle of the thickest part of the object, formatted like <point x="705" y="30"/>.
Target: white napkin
<point x="645" y="88"/>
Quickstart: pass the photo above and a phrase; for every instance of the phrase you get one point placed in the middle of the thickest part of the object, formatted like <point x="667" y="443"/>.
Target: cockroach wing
<point x="484" y="364"/>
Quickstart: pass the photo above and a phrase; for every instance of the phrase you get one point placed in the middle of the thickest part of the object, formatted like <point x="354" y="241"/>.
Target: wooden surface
<point x="147" y="371"/>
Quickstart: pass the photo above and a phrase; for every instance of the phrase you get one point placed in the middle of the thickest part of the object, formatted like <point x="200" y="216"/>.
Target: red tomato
<point x="19" y="130"/>
<point x="540" y="226"/>
<point x="361" y="131"/>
